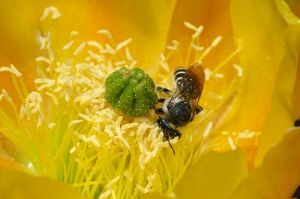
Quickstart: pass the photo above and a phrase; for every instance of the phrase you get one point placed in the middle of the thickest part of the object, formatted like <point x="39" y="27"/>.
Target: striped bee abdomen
<point x="187" y="83"/>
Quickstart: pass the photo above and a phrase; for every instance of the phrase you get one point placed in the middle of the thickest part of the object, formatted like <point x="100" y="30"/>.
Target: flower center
<point x="69" y="132"/>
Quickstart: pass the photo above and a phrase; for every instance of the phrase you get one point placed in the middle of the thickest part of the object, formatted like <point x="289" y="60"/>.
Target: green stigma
<point x="130" y="91"/>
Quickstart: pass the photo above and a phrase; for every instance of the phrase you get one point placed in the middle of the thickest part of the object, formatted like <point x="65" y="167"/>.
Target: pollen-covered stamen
<point x="123" y="44"/>
<point x="231" y="143"/>
<point x="148" y="186"/>
<point x="44" y="82"/>
<point x="95" y="44"/>
<point x="50" y="11"/>
<point x="198" y="30"/>
<point x="68" y="45"/>
<point x="163" y="63"/>
<point x="43" y="59"/>
<point x="174" y="46"/>
<point x="227" y="59"/>
<point x="32" y="108"/>
<point x="4" y="94"/>
<point x="74" y="33"/>
<point x="79" y="49"/>
<point x="105" y="32"/>
<point x="91" y="139"/>
<point x="213" y="45"/>
<point x="197" y="48"/>
<point x="11" y="69"/>
<point x="239" y="70"/>
<point x="207" y="130"/>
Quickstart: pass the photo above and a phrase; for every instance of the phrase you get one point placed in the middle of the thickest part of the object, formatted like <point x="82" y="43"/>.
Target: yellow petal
<point x="6" y="162"/>
<point x="296" y="98"/>
<point x="286" y="13"/>
<point x="16" y="185"/>
<point x="257" y="25"/>
<point x="281" y="115"/>
<point x="295" y="6"/>
<point x="147" y="22"/>
<point x="214" y="176"/>
<point x="279" y="174"/>
<point x="215" y="17"/>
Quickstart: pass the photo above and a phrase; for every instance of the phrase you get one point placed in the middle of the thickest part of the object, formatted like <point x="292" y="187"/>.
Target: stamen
<point x="163" y="63"/>
<point x="91" y="139"/>
<point x="105" y="194"/>
<point x="50" y="11"/>
<point x="7" y="97"/>
<point x="207" y="130"/>
<point x="96" y="57"/>
<point x="174" y="45"/>
<point x="232" y="55"/>
<point x="32" y="107"/>
<point x="95" y="44"/>
<point x="46" y="83"/>
<point x="148" y="187"/>
<point x="190" y="26"/>
<point x="11" y="69"/>
<point x="216" y="41"/>
<point x="74" y="33"/>
<point x="195" y="36"/>
<point x="110" y="49"/>
<point x="207" y="74"/>
<point x="105" y="32"/>
<point x="198" y="32"/>
<point x="231" y="143"/>
<point x="79" y="49"/>
<point x="123" y="44"/>
<point x="112" y="182"/>
<point x="213" y="45"/>
<point x="51" y="125"/>
<point x="239" y="70"/>
<point x="43" y="59"/>
<point x="52" y="97"/>
<point x="120" y="63"/>
<point x="73" y="122"/>
<point x="68" y="45"/>
<point x="219" y="75"/>
<point x="197" y="48"/>
<point x="128" y="55"/>
<point x="247" y="134"/>
<point x="72" y="150"/>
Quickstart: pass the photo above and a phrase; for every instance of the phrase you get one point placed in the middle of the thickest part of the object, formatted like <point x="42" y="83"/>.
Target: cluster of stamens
<point x="76" y="137"/>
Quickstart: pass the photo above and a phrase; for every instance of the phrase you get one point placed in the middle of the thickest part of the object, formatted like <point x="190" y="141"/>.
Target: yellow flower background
<point x="263" y="37"/>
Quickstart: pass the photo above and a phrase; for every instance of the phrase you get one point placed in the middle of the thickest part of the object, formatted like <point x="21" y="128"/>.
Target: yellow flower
<point x="56" y="122"/>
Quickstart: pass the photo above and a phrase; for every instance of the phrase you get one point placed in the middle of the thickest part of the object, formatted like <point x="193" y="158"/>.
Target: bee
<point x="182" y="105"/>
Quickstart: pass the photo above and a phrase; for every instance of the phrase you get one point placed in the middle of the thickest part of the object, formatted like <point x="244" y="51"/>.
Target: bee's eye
<point x="130" y="91"/>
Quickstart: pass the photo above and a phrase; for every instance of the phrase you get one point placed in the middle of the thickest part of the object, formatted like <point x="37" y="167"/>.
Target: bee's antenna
<point x="171" y="147"/>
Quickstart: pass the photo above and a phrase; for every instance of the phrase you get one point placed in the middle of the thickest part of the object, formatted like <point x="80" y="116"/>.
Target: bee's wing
<point x="177" y="95"/>
<point x="198" y="70"/>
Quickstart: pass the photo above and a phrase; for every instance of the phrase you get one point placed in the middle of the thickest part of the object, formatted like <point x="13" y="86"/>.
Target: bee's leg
<point x="175" y="134"/>
<point x="159" y="111"/>
<point x="198" y="109"/>
<point x="163" y="90"/>
<point x="168" y="130"/>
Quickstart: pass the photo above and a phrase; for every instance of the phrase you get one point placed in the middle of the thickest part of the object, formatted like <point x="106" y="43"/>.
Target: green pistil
<point x="130" y="91"/>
